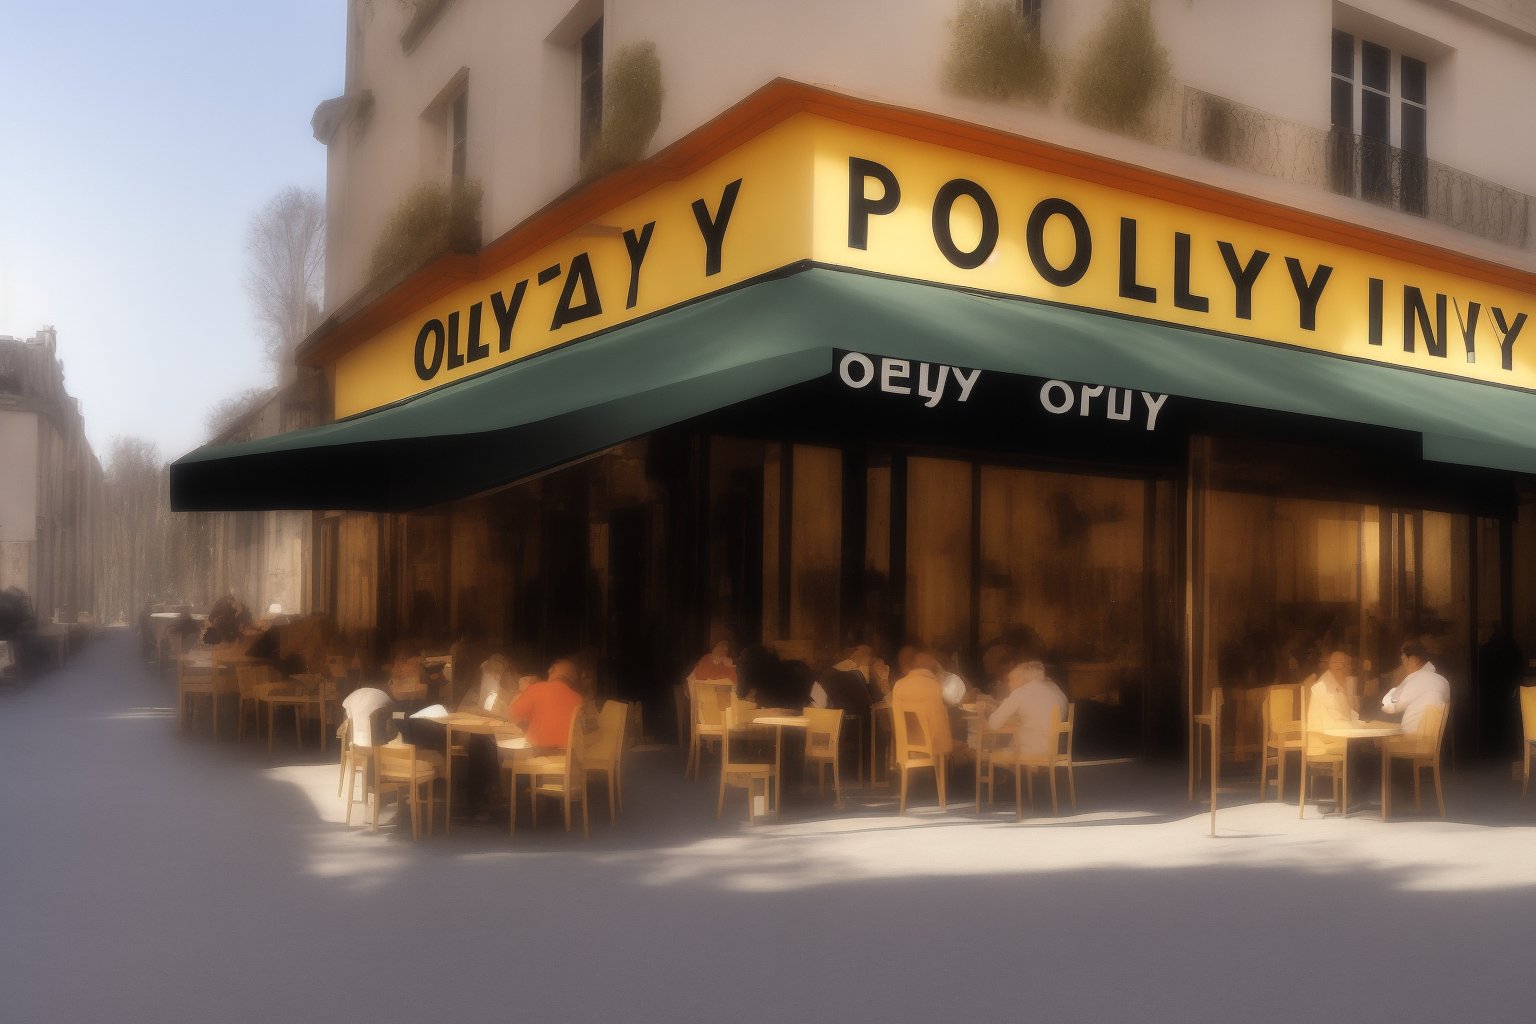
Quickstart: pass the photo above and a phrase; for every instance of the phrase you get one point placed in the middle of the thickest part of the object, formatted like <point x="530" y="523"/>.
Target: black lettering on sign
<point x="1243" y="276"/>
<point x="455" y="357"/>
<point x="943" y="211"/>
<point x="860" y="206"/>
<point x="1130" y="288"/>
<point x="431" y="331"/>
<point x="506" y="314"/>
<point x="1182" y="296"/>
<point x="712" y="227"/>
<point x="477" y="351"/>
<point x="1374" y="314"/>
<point x="1308" y="293"/>
<point x="1469" y="328"/>
<point x="636" y="246"/>
<point x="1082" y="239"/>
<point x="1509" y="333"/>
<point x="1416" y="318"/>
<point x="591" y="305"/>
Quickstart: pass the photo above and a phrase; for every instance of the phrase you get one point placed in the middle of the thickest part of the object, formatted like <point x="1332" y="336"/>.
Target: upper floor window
<point x="591" y="85"/>
<point x="1379" y="115"/>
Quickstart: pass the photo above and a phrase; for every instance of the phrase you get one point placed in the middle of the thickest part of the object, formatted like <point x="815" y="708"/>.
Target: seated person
<point x="545" y="708"/>
<point x="1328" y="704"/>
<point x="1033" y="703"/>
<point x="717" y="664"/>
<point x="227" y="621"/>
<point x="405" y="681"/>
<point x="1421" y="689"/>
<point x="849" y="685"/>
<point x="496" y="689"/>
<point x="1328" y="707"/>
<point x="770" y="682"/>
<point x="921" y="689"/>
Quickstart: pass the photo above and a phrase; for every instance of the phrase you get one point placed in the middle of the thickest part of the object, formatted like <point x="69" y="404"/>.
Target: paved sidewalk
<point x="149" y="877"/>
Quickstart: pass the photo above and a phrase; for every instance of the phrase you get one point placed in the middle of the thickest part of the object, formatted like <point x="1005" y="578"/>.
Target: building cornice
<point x="371" y="312"/>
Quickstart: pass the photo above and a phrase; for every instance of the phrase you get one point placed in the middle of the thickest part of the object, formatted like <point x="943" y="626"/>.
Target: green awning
<point x="521" y="419"/>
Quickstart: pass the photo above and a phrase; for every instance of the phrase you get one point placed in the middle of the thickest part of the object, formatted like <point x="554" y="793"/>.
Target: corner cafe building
<point x="825" y="370"/>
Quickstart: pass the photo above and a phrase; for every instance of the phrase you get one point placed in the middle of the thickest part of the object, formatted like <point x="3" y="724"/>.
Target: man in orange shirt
<point x="545" y="708"/>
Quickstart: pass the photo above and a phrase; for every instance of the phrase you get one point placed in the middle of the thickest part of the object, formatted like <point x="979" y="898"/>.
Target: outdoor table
<point x="1366" y="731"/>
<point x="779" y="722"/>
<point x="467" y="723"/>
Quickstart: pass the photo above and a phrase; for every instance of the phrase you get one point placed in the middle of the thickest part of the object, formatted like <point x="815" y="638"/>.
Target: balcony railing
<point x="1231" y="133"/>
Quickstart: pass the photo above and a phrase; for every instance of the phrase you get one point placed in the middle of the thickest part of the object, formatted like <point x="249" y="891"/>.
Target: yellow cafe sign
<point x="814" y="189"/>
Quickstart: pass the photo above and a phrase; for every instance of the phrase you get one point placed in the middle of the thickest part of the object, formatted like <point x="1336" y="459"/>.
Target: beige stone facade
<point x="1262" y="67"/>
<point x="50" y="486"/>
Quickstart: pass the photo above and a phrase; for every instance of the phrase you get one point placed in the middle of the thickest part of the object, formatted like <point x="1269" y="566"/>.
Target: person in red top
<point x="545" y="708"/>
<point x="717" y="664"/>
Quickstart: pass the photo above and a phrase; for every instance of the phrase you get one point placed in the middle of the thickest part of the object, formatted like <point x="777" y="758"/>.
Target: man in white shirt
<point x="1422" y="688"/>
<point x="1033" y="703"/>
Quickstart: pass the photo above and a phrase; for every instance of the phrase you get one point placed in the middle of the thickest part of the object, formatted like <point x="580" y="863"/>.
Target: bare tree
<point x="228" y="411"/>
<point x="285" y="260"/>
<point x="136" y="521"/>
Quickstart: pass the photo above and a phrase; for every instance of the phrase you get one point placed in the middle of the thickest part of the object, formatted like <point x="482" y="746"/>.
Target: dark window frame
<point x="589" y="52"/>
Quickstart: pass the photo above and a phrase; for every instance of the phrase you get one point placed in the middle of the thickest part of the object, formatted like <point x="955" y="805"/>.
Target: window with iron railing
<point x="1379" y="144"/>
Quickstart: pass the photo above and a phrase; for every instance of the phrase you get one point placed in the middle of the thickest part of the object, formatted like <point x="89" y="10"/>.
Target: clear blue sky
<point x="137" y="140"/>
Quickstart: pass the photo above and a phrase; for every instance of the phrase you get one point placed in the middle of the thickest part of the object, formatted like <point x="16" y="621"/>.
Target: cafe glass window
<point x="1288" y="566"/>
<point x="938" y="598"/>
<point x="816" y="530"/>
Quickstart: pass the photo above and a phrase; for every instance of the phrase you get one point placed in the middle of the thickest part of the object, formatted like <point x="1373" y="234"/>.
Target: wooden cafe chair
<point x="1282" y="737"/>
<point x="397" y="769"/>
<point x="605" y="752"/>
<point x="252" y="682"/>
<point x="1528" y="733"/>
<point x="563" y="776"/>
<point x="356" y="759"/>
<point x="710" y="698"/>
<point x="1203" y="725"/>
<point x="914" y="751"/>
<point x="1056" y="757"/>
<point x="1318" y="751"/>
<point x="823" y="747"/>
<point x="749" y="775"/>
<point x="194" y="683"/>
<point x="225" y="684"/>
<point x="1422" y="752"/>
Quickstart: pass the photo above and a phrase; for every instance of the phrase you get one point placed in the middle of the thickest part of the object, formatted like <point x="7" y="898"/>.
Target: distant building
<point x="50" y="485"/>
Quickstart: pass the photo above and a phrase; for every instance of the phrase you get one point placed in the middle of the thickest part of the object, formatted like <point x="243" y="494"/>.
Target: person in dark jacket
<point x="849" y="685"/>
